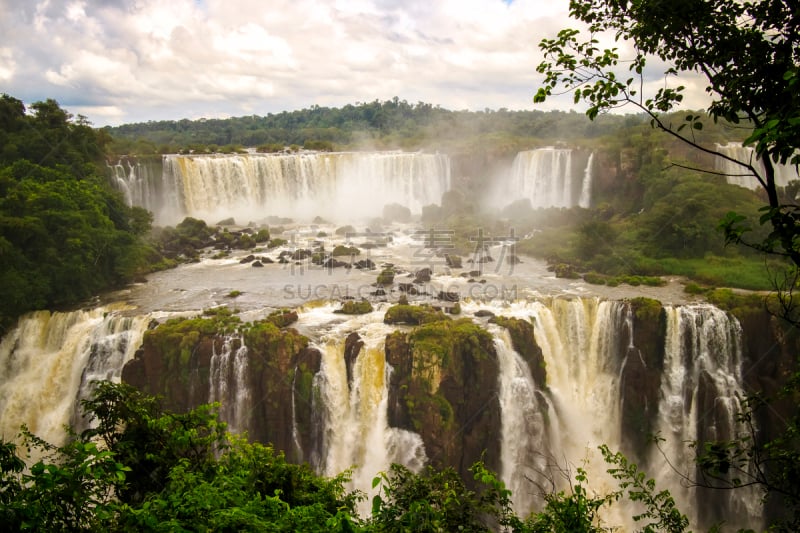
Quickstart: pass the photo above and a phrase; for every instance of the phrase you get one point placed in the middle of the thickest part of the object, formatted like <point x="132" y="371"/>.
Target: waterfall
<point x="701" y="393"/>
<point x="549" y="177"/>
<point x="339" y="186"/>
<point x="526" y="445"/>
<point x="50" y="360"/>
<point x="585" y="200"/>
<point x="228" y="382"/>
<point x="357" y="434"/>
<point x="737" y="175"/>
<point x="138" y="181"/>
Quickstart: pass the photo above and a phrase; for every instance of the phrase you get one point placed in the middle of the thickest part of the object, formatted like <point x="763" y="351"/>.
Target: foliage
<point x="389" y="124"/>
<point x="153" y="470"/>
<point x="64" y="235"/>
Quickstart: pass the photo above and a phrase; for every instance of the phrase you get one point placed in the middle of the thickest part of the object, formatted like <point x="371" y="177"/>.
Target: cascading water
<point x="585" y="200"/>
<point x="525" y="413"/>
<point x="228" y="382"/>
<point x="138" y="181"/>
<point x="357" y="434"/>
<point x="549" y="177"/>
<point x="50" y="360"/>
<point x="340" y="186"/>
<point x="701" y="393"/>
<point x="738" y="175"/>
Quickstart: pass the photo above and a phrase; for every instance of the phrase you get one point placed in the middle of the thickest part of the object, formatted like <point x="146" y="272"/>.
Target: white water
<point x="526" y="446"/>
<point x="49" y="361"/>
<point x="228" y="382"/>
<point x="738" y="175"/>
<point x="357" y="435"/>
<point x="347" y="186"/>
<point x="701" y="339"/>
<point x="138" y="184"/>
<point x="548" y="177"/>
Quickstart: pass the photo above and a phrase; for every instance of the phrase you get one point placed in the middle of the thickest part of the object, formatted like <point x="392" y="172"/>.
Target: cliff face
<point x="643" y="352"/>
<point x="444" y="387"/>
<point x="260" y="374"/>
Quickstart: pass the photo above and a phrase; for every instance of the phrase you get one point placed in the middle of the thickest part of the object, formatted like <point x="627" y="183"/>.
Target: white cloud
<point x="149" y="59"/>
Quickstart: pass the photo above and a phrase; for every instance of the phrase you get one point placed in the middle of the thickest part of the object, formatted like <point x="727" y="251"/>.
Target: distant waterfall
<point x="228" y="382"/>
<point x="550" y="177"/>
<point x="49" y="361"/>
<point x="737" y="174"/>
<point x="585" y="200"/>
<point x="139" y="182"/>
<point x="339" y="186"/>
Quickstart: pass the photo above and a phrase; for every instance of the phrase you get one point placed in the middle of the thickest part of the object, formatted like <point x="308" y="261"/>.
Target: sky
<point x="122" y="61"/>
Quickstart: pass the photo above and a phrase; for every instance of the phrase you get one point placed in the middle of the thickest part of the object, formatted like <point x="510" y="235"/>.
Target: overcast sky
<point x="118" y="61"/>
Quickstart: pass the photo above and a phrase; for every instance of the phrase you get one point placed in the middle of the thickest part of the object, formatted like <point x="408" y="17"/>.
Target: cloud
<point x="136" y="60"/>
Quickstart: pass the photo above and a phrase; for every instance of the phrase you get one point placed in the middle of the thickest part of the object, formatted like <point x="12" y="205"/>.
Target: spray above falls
<point x="339" y="186"/>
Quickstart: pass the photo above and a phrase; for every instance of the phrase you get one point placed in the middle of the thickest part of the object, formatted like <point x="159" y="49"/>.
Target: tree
<point x="746" y="51"/>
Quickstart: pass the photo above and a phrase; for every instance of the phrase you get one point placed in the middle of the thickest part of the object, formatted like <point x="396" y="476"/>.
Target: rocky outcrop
<point x="444" y="387"/>
<point x="175" y="362"/>
<point x="525" y="345"/>
<point x="641" y="374"/>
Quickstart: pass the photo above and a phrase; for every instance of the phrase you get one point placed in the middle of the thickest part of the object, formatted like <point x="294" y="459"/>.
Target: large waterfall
<point x="50" y="360"/>
<point x="337" y="186"/>
<point x="546" y="431"/>
<point x="549" y="177"/>
<point x="738" y="175"/>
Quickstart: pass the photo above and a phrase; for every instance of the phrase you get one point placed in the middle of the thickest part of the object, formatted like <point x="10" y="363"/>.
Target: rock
<point x="413" y="315"/>
<point x="483" y="313"/>
<point x="475" y="273"/>
<point x="249" y="259"/>
<point x="453" y="261"/>
<point x="352" y="347"/>
<point x="448" y="296"/>
<point x="299" y="255"/>
<point x="226" y="222"/>
<point x="367" y="264"/>
<point x="257" y="264"/>
<point x="355" y="308"/>
<point x="423" y="275"/>
<point x="408" y="288"/>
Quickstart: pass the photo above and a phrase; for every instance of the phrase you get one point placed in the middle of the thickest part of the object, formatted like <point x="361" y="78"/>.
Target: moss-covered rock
<point x="283" y="317"/>
<point x="342" y="250"/>
<point x="386" y="277"/>
<point x="524" y="342"/>
<point x="352" y="307"/>
<point x="444" y="387"/>
<point x="175" y="362"/>
<point x="413" y="315"/>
